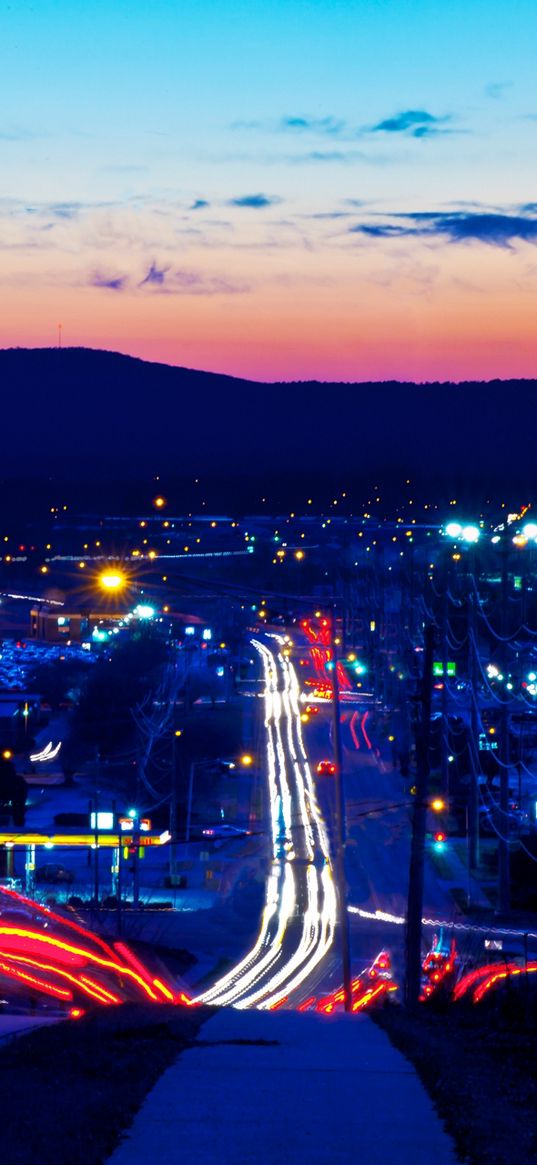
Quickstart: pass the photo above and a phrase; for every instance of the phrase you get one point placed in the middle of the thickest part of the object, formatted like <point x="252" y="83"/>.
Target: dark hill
<point x="93" y="414"/>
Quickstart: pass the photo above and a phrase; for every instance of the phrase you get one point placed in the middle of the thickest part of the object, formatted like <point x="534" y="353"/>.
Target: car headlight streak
<point x="299" y="916"/>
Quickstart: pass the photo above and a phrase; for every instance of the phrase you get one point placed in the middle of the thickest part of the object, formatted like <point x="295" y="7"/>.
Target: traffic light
<point x="439" y="840"/>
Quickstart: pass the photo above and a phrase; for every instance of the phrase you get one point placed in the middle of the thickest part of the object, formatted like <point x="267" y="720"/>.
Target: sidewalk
<point x="269" y="1087"/>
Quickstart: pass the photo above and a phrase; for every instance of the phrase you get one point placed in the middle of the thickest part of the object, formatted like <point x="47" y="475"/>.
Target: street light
<point x="467" y="533"/>
<point x="453" y="530"/>
<point x="111" y="580"/>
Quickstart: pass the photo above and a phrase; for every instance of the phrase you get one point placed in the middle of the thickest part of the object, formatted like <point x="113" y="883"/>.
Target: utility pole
<point x="504" y="890"/>
<point x="419" y="818"/>
<point x="473" y="791"/>
<point x="173" y="877"/>
<point x="96" y="887"/>
<point x="340" y="827"/>
<point x="189" y="800"/>
<point x="444" y="747"/>
<point x="136" y="861"/>
<point x="116" y="869"/>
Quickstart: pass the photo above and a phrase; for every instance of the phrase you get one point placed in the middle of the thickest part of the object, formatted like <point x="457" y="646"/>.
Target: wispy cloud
<point x="498" y="89"/>
<point x="416" y="123"/>
<point x="110" y="283"/>
<point x="200" y="204"/>
<point x="254" y="201"/>
<point x="167" y="281"/>
<point x="330" y="126"/>
<point x="65" y="209"/>
<point x="492" y="228"/>
<point x="155" y="276"/>
<point x="324" y="157"/>
<point x="300" y="125"/>
<point x="202" y="283"/>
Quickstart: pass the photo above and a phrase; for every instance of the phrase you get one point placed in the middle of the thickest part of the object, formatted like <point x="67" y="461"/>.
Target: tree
<point x="116" y="684"/>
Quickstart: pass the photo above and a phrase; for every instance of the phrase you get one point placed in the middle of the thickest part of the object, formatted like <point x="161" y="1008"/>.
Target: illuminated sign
<point x="438" y="668"/>
<point x="102" y="820"/>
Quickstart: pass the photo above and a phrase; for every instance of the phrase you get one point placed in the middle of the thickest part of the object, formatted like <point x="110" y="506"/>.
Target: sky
<point x="278" y="189"/>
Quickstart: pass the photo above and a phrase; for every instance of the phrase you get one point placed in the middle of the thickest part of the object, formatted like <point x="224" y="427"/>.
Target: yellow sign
<point x="106" y="840"/>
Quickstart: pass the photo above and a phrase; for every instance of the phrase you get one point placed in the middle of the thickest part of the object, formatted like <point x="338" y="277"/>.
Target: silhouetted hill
<point x="82" y="413"/>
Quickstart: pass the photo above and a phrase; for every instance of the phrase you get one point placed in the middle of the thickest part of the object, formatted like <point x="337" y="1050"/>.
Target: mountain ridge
<point x="85" y="411"/>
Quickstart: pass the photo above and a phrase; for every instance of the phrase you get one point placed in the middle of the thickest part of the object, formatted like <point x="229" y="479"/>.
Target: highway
<point x="299" y="916"/>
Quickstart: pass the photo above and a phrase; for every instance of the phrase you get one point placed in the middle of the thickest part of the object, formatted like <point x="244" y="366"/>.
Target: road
<point x="299" y="916"/>
<point x="295" y="955"/>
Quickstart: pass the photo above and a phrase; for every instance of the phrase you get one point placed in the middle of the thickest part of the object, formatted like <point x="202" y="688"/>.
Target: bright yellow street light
<point x="112" y="580"/>
<point x="247" y="760"/>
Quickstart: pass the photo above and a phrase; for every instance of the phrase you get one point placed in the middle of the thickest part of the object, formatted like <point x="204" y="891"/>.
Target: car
<point x="311" y="710"/>
<point x="222" y="832"/>
<point x="326" y="768"/>
<point x="52" y="872"/>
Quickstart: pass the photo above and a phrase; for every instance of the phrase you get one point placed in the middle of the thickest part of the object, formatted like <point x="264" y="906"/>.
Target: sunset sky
<point x="281" y="189"/>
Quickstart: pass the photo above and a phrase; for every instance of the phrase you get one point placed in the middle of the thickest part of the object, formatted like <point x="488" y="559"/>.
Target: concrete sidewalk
<point x="266" y="1088"/>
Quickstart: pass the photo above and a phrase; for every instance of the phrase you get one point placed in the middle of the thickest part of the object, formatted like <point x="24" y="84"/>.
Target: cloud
<point x="329" y="214"/>
<point x="199" y="204"/>
<point x="417" y="123"/>
<point x="190" y="282"/>
<point x="255" y="201"/>
<point x="166" y="281"/>
<point x="332" y="126"/>
<point x="493" y="228"/>
<point x="110" y="283"/>
<point x="498" y="89"/>
<point x="301" y="125"/>
<point x="344" y="156"/>
<point x="65" y="209"/>
<point x="199" y="283"/>
<point x="155" y="276"/>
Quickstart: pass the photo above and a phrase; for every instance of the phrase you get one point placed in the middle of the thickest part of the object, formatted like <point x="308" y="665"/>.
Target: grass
<point x="69" y="1090"/>
<point x="478" y="1065"/>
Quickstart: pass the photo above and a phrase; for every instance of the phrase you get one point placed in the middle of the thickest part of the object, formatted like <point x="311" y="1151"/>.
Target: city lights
<point x="112" y="580"/>
<point x="144" y="611"/>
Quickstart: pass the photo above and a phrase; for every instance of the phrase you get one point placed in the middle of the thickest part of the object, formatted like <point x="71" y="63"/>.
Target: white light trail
<point x="49" y="752"/>
<point x="299" y="917"/>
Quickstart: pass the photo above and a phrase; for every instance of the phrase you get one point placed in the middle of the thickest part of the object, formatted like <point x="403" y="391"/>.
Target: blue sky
<point x="120" y="121"/>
